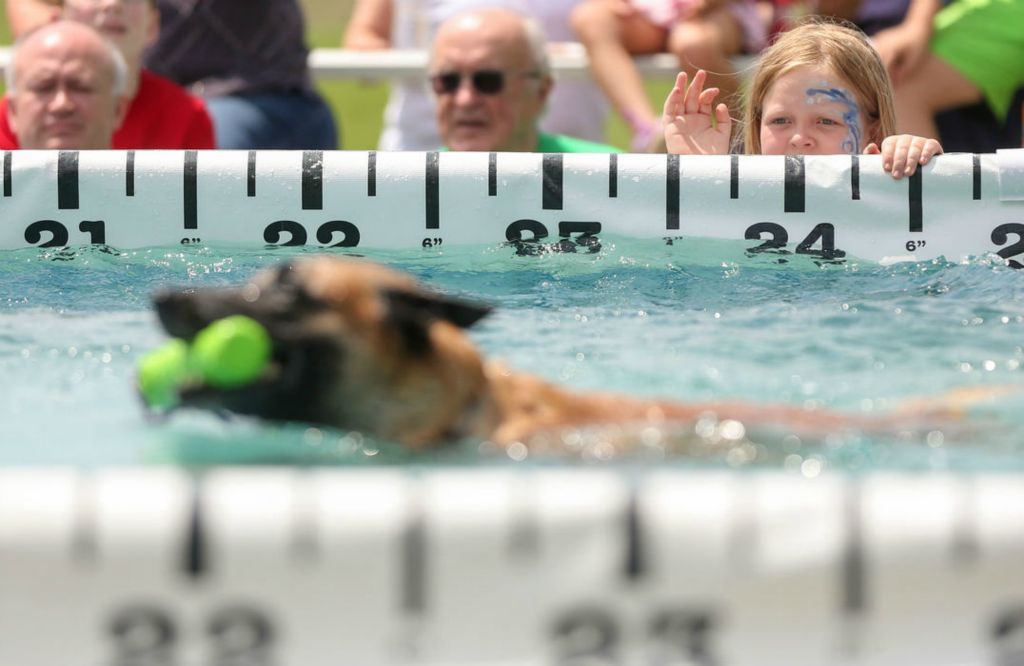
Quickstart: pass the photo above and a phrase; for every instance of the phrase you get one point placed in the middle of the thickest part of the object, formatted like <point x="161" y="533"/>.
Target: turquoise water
<point x="692" y="322"/>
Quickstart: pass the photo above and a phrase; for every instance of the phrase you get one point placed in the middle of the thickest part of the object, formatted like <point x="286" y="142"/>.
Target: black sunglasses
<point x="485" y="81"/>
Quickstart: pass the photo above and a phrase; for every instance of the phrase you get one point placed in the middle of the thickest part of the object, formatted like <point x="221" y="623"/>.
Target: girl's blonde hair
<point x="843" y="49"/>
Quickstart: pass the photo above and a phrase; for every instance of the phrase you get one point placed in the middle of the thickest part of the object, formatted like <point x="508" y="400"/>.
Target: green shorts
<point x="984" y="41"/>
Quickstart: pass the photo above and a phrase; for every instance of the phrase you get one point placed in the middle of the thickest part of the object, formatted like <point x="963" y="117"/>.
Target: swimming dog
<point x="358" y="346"/>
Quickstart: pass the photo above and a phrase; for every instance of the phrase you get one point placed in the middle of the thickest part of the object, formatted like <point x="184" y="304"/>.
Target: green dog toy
<point x="227" y="354"/>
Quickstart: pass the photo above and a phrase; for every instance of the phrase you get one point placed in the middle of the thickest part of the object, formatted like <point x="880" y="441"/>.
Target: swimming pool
<point x="637" y="317"/>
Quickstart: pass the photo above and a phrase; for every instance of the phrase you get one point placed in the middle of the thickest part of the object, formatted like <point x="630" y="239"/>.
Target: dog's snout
<point x="178" y="312"/>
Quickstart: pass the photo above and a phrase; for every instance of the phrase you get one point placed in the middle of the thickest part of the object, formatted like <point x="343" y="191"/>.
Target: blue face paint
<point x="851" y="116"/>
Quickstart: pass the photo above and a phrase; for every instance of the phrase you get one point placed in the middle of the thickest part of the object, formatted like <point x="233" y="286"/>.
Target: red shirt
<point x="161" y="115"/>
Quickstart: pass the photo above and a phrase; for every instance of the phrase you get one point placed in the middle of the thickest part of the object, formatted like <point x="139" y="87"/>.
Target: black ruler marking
<point x="672" y="192"/>
<point x="613" y="175"/>
<point x="250" y="175"/>
<point x="734" y="176"/>
<point x="7" y="173"/>
<point x="305" y="542"/>
<point x="552" y="181"/>
<point x="433" y="196"/>
<point x="744" y="534"/>
<point x="492" y="174"/>
<point x="67" y="180"/>
<point x="855" y="177"/>
<point x="414" y="559"/>
<point x="854" y="594"/>
<point x="976" y="175"/>
<point x="312" y="180"/>
<point x="83" y="539"/>
<point x="914" y="200"/>
<point x="965" y="549"/>
<point x="194" y="556"/>
<point x="795" y="185"/>
<point x="129" y="174"/>
<point x="852" y="569"/>
<point x="635" y="560"/>
<point x="191" y="189"/>
<point x="371" y="173"/>
<point x="523" y="533"/>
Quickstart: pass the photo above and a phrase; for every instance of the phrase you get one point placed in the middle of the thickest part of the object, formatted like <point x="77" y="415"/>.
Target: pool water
<point x="695" y="321"/>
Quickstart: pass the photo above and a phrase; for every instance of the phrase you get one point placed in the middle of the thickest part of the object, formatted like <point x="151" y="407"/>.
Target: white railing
<point x="568" y="60"/>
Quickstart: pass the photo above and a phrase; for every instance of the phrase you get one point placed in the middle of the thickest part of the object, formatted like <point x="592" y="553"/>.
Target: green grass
<point x="359" y="105"/>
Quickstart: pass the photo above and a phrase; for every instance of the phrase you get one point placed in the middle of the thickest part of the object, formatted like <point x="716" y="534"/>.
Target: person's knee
<point x="934" y="86"/>
<point x="594" y="21"/>
<point x="695" y="46"/>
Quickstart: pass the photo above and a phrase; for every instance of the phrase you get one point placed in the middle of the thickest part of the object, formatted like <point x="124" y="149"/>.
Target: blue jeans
<point x="292" y="120"/>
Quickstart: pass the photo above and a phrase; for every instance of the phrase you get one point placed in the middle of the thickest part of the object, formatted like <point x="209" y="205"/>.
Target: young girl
<point x="821" y="89"/>
<point x="702" y="34"/>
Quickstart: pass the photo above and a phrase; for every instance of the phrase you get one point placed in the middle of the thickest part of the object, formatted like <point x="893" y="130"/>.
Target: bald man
<point x="65" y="88"/>
<point x="491" y="77"/>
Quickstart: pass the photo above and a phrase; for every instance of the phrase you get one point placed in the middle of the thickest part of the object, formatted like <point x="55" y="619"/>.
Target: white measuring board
<point x="834" y="207"/>
<point x="285" y="567"/>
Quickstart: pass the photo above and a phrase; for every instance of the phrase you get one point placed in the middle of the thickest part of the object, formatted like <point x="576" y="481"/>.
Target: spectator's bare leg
<point x="933" y="87"/>
<point x="708" y="42"/>
<point x="612" y="39"/>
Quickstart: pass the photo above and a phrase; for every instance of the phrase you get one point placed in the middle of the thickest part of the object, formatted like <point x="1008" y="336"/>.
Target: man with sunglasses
<point x="490" y="74"/>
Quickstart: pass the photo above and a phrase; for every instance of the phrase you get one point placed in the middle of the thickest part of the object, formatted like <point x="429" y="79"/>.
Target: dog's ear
<point x="461" y="312"/>
<point x="412" y="312"/>
<point x="289" y="293"/>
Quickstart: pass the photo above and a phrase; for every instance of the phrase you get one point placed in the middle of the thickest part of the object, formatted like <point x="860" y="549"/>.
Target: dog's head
<point x="355" y="345"/>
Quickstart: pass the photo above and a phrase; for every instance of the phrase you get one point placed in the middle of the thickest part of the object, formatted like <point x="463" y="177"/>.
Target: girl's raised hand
<point x="903" y="153"/>
<point x="691" y="122"/>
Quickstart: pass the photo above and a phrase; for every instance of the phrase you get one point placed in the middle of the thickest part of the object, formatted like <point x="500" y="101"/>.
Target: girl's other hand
<point x="691" y="122"/>
<point x="903" y="153"/>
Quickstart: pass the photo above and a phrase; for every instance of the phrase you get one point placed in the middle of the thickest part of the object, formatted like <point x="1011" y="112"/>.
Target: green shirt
<point x="559" y="143"/>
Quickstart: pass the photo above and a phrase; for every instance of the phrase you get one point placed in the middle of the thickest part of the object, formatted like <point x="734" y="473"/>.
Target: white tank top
<point x="576" y="108"/>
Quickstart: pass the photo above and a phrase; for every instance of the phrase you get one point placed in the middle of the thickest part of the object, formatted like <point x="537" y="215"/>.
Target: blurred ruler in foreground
<point x="307" y="568"/>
